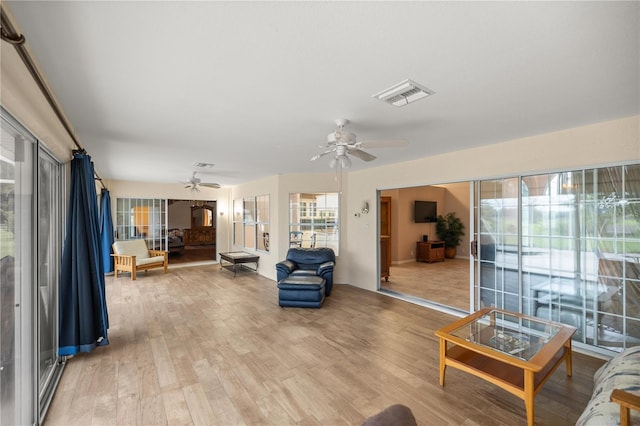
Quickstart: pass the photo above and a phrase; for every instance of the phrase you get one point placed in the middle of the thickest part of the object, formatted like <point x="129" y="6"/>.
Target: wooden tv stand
<point x="430" y="251"/>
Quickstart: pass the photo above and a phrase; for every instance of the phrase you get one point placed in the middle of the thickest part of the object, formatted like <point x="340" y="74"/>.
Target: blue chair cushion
<point x="301" y="291"/>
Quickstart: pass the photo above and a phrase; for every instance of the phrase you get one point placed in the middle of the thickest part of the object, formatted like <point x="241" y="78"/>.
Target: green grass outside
<point x="7" y="243"/>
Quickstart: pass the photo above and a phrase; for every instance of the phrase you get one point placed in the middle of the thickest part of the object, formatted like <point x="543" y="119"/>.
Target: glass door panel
<point x="565" y="247"/>
<point x="50" y="202"/>
<point x="498" y="243"/>
<point x="17" y="328"/>
<point x="144" y="218"/>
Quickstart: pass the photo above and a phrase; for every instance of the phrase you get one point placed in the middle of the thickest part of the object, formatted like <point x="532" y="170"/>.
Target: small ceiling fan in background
<point x="195" y="182"/>
<point x="341" y="144"/>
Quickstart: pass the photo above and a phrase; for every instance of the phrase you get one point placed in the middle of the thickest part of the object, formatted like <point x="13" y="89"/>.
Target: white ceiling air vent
<point x="404" y="93"/>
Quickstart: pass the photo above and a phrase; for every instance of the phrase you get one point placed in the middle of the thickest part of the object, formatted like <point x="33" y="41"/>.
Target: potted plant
<point x="450" y="229"/>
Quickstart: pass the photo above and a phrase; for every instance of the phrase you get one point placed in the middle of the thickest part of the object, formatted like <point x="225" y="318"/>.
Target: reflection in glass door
<point x="30" y="248"/>
<point x="17" y="393"/>
<point x="50" y="203"/>
<point x="565" y="247"/>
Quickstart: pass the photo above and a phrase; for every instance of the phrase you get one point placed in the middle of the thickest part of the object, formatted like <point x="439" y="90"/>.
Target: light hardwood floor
<point x="197" y="346"/>
<point x="445" y="282"/>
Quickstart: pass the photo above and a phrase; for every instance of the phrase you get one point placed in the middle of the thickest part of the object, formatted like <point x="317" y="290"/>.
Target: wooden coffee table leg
<point x="443" y="355"/>
<point x="529" y="396"/>
<point x="568" y="361"/>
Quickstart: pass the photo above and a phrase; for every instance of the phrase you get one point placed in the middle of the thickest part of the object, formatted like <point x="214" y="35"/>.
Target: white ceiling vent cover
<point x="404" y="93"/>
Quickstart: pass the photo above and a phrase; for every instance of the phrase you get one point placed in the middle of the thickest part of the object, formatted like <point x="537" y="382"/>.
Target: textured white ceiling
<point x="254" y="87"/>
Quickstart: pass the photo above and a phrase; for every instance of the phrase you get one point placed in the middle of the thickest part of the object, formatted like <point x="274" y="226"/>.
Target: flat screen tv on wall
<point x="425" y="211"/>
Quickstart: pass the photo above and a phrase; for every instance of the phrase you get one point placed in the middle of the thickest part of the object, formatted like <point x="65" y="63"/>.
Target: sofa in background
<point x="133" y="256"/>
<point x="617" y="380"/>
<point x="308" y="261"/>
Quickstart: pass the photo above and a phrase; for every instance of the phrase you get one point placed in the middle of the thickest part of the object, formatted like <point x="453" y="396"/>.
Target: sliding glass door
<point x="144" y="218"/>
<point x="50" y="219"/>
<point x="17" y="266"/>
<point x="30" y="247"/>
<point x="565" y="247"/>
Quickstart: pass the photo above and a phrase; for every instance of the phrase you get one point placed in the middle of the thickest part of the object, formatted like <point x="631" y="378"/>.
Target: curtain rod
<point x="9" y="34"/>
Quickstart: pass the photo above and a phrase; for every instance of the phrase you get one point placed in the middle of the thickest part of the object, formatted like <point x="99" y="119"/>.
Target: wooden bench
<point x="133" y="256"/>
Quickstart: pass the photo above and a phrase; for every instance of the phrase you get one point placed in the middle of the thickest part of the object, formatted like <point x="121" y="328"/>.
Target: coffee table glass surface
<point x="511" y="350"/>
<point x="510" y="334"/>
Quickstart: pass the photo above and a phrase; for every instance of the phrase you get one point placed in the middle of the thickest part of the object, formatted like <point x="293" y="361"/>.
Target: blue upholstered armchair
<point x="309" y="261"/>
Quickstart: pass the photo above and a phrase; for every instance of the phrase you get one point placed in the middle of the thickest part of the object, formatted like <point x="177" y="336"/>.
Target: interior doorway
<point x="191" y="231"/>
<point x="445" y="283"/>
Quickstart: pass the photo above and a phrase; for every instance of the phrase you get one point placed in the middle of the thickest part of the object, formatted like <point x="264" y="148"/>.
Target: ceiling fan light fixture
<point x="403" y="93"/>
<point x="345" y="162"/>
<point x="333" y="162"/>
<point x="341" y="136"/>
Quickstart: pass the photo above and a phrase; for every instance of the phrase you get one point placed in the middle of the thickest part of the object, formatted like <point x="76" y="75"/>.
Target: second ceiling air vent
<point x="403" y="93"/>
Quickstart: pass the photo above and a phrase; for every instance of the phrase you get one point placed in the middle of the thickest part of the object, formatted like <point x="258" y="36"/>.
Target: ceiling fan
<point x="195" y="182"/>
<point x="342" y="144"/>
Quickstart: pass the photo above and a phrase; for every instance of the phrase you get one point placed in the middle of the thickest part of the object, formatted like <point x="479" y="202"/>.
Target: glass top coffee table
<point x="513" y="351"/>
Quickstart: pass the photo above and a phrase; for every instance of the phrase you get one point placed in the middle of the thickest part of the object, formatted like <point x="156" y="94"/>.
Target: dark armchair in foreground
<point x="309" y="261"/>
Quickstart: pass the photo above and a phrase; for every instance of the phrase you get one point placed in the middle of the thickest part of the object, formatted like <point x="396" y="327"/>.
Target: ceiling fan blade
<point x="356" y="152"/>
<point x="211" y="185"/>
<point x="315" y="157"/>
<point x="382" y="143"/>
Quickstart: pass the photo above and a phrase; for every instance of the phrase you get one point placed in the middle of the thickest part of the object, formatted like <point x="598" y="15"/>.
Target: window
<point x="317" y="225"/>
<point x="144" y="218"/>
<point x="262" y="222"/>
<point x="31" y="233"/>
<point x="251" y="222"/>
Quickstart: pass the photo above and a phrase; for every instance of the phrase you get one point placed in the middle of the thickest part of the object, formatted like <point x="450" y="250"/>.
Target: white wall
<point x="279" y="188"/>
<point x="268" y="186"/>
<point x="126" y="189"/>
<point x="613" y="142"/>
<point x="606" y="143"/>
<point x="21" y="96"/>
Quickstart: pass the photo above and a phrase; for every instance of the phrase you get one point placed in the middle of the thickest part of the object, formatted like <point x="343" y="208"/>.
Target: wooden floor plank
<point x="445" y="282"/>
<point x="198" y="346"/>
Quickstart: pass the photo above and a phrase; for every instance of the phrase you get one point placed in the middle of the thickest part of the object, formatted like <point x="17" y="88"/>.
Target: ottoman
<point x="302" y="291"/>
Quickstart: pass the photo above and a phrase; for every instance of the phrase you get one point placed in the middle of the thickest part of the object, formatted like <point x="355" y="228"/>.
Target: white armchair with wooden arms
<point x="133" y="256"/>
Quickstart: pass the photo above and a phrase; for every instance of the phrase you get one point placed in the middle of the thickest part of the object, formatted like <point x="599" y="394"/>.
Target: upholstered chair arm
<point x="286" y="266"/>
<point x="284" y="269"/>
<point x="325" y="267"/>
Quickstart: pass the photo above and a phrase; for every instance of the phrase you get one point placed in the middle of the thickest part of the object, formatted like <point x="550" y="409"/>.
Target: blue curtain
<point x="83" y="306"/>
<point x="106" y="231"/>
